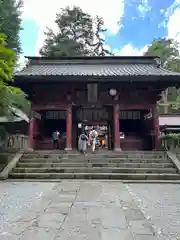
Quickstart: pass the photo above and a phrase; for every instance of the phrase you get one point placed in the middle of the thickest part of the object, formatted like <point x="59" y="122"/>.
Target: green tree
<point x="10" y="23"/>
<point x="174" y="64"/>
<point x="9" y="96"/>
<point x="168" y="51"/>
<point x="60" y="45"/>
<point x="78" y="35"/>
<point x="99" y="49"/>
<point x="75" y="34"/>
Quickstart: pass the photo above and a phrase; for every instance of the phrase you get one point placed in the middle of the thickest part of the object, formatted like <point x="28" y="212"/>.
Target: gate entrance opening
<point x="133" y="125"/>
<point x="88" y="117"/>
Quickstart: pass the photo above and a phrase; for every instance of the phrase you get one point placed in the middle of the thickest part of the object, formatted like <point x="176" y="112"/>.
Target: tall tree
<point x="78" y="35"/>
<point x="10" y="23"/>
<point x="99" y="45"/>
<point x="9" y="96"/>
<point x="75" y="34"/>
<point x="168" y="51"/>
<point x="57" y="45"/>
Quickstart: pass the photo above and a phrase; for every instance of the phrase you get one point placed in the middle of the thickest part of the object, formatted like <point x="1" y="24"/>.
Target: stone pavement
<point x="161" y="204"/>
<point x="86" y="210"/>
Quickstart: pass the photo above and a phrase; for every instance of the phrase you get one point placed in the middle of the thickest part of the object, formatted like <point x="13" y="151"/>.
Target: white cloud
<point x="173" y="25"/>
<point x="172" y="8"/>
<point x="173" y="22"/>
<point x="22" y="61"/>
<point x="44" y="13"/>
<point x="161" y="11"/>
<point x="171" y="19"/>
<point x="130" y="50"/>
<point x="144" y="8"/>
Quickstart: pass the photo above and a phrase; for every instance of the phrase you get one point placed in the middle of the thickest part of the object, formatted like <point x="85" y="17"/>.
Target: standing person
<point x="55" y="139"/>
<point x="93" y="136"/>
<point x="82" y="143"/>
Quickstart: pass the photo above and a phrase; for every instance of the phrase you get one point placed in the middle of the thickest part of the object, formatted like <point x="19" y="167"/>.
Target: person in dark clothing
<point x="55" y="139"/>
<point x="82" y="143"/>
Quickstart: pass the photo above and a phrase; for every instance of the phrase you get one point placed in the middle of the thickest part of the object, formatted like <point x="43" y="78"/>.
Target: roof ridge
<point x="92" y="60"/>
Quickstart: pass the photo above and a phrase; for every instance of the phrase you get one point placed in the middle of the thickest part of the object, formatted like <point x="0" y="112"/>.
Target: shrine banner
<point x="92" y="92"/>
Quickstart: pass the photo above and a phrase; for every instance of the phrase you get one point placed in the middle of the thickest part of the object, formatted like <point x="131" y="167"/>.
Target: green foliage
<point x="7" y="61"/>
<point x="168" y="51"/>
<point x="9" y="96"/>
<point x="60" y="45"/>
<point x="10" y="22"/>
<point x="176" y="105"/>
<point x="3" y="133"/>
<point x="75" y="36"/>
<point x="171" y="140"/>
<point x="174" y="64"/>
<point x="75" y="30"/>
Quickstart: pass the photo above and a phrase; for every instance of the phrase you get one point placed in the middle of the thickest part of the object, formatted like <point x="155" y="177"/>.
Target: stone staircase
<point x="147" y="165"/>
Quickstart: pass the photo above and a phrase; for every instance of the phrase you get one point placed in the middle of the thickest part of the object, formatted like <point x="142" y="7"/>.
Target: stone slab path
<point x="161" y="204"/>
<point x="86" y="210"/>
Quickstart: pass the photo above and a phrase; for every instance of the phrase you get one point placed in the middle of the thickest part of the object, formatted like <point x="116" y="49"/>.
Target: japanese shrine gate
<point x="118" y="92"/>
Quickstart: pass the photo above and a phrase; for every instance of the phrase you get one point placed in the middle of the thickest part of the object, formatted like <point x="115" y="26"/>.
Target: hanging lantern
<point x="113" y="92"/>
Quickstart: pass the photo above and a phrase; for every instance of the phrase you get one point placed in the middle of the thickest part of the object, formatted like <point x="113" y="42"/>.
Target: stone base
<point x="68" y="149"/>
<point x="117" y="149"/>
<point x="29" y="149"/>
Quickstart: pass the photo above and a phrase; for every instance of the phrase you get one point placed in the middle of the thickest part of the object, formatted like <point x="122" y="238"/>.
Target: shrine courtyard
<point x="79" y="210"/>
<point x="116" y="94"/>
<point x="119" y="95"/>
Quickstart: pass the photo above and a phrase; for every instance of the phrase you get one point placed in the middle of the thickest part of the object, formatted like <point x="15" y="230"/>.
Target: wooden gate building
<point x="117" y="92"/>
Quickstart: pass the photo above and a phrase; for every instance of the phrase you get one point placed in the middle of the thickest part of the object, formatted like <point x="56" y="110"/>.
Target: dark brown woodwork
<point x="130" y="97"/>
<point x="77" y="94"/>
<point x="132" y="143"/>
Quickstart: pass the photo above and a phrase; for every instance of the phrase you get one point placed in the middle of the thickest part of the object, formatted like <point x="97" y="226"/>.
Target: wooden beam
<point x="38" y="107"/>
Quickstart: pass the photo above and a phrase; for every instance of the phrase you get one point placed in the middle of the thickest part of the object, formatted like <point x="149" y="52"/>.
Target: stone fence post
<point x="18" y="141"/>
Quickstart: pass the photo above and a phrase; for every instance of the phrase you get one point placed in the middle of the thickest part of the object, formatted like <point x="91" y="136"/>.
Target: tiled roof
<point x="95" y="70"/>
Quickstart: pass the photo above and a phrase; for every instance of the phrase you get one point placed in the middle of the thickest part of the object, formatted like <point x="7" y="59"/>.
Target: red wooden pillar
<point x="69" y="128"/>
<point x="32" y="131"/>
<point x="156" y="129"/>
<point x="116" y="128"/>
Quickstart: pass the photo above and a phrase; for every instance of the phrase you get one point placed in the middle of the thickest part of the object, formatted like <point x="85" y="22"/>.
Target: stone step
<point x="102" y="153"/>
<point x="97" y="164"/>
<point x="95" y="156"/>
<point x="94" y="170"/>
<point x="85" y="160"/>
<point x="56" y="180"/>
<point x="120" y="176"/>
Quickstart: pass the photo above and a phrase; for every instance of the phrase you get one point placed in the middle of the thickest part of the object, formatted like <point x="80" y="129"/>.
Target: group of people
<point x="85" y="140"/>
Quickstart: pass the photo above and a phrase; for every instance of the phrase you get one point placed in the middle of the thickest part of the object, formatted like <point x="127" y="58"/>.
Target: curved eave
<point x="25" y="79"/>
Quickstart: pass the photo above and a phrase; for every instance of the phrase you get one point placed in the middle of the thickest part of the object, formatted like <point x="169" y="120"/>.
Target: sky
<point x="132" y="24"/>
